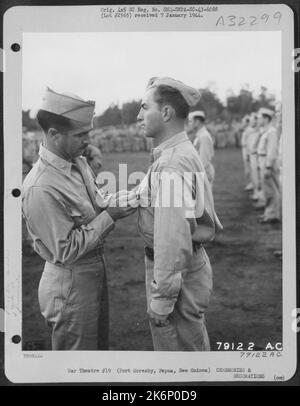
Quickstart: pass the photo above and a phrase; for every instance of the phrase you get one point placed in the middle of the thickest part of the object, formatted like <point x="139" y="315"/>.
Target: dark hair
<point x="168" y="95"/>
<point x="50" y="120"/>
<point x="200" y="118"/>
<point x="267" y="116"/>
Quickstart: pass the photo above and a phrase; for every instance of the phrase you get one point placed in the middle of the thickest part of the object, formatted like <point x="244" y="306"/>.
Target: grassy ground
<point x="246" y="304"/>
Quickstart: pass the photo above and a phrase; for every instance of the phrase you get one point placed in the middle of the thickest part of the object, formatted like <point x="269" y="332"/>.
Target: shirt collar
<point x="170" y="143"/>
<point x="55" y="160"/>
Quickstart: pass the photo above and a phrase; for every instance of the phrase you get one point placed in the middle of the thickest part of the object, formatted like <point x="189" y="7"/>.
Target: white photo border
<point x="53" y="366"/>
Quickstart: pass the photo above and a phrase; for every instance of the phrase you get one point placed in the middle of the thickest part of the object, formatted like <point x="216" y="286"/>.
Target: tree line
<point x="235" y="107"/>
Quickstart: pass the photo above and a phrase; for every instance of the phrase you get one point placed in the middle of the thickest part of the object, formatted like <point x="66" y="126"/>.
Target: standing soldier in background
<point x="267" y="155"/>
<point x="203" y="143"/>
<point x="247" y="129"/>
<point x="252" y="144"/>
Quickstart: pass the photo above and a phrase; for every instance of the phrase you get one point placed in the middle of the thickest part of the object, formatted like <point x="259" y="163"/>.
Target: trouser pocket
<point x="54" y="291"/>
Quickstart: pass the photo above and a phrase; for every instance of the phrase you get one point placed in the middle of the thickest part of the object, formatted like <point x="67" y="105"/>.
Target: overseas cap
<point x="198" y="113"/>
<point x="266" y="112"/>
<point x="190" y="95"/>
<point x="69" y="106"/>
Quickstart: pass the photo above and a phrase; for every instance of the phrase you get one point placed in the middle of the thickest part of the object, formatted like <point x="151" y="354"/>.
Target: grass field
<point x="246" y="305"/>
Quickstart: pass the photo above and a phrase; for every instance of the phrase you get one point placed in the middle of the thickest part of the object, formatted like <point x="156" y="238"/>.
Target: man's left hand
<point x="158" y="319"/>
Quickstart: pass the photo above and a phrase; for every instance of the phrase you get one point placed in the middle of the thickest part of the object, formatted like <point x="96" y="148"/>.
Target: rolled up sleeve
<point x="55" y="236"/>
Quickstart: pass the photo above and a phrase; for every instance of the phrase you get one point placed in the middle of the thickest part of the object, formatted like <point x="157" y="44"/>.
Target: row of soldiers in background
<point x="129" y="139"/>
<point x="262" y="155"/>
<point x="31" y="144"/>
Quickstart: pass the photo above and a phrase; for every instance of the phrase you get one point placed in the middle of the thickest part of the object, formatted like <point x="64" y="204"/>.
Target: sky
<point x="114" y="67"/>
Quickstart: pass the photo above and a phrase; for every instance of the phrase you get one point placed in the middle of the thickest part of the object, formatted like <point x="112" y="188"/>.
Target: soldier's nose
<point x="139" y="117"/>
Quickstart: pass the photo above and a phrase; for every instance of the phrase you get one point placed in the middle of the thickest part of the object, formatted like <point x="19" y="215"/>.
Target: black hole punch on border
<point x="15" y="47"/>
<point x="16" y="192"/>
<point x="16" y="339"/>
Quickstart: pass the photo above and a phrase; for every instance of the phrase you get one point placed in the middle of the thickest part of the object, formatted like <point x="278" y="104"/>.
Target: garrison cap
<point x="190" y="95"/>
<point x="266" y="112"/>
<point x="70" y="106"/>
<point x="198" y="113"/>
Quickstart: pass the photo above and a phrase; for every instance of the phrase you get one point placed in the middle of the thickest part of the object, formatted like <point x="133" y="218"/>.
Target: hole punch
<point x="15" y="47"/>
<point x="16" y="339"/>
<point x="16" y="192"/>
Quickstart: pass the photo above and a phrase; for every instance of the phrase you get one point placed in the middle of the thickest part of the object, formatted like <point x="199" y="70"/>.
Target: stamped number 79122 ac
<point x="246" y="347"/>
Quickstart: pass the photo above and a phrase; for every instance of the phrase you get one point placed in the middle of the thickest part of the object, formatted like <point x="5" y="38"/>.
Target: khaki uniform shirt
<point x="268" y="146"/>
<point x="253" y="141"/>
<point x="171" y="230"/>
<point x="204" y="145"/>
<point x="245" y="136"/>
<point x="60" y="209"/>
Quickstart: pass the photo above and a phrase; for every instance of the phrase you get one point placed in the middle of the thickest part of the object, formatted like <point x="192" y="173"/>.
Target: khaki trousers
<point x="246" y="160"/>
<point x="74" y="303"/>
<point x="186" y="330"/>
<point x="270" y="187"/>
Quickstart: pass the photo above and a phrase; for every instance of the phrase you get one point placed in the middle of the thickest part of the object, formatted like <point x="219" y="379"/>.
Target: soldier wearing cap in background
<point x="267" y="151"/>
<point x="68" y="227"/>
<point x="178" y="270"/>
<point x="247" y="130"/>
<point x="203" y="143"/>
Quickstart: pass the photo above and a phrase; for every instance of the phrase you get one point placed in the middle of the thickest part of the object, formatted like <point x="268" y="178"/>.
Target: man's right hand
<point x="115" y="211"/>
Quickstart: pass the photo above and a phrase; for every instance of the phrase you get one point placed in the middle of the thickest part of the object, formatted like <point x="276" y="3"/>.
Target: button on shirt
<point x="60" y="209"/>
<point x="170" y="230"/>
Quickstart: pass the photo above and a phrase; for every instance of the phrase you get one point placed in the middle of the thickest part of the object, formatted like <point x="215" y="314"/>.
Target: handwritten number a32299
<point x="232" y="20"/>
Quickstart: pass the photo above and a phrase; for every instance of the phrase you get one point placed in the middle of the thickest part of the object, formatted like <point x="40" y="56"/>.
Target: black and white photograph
<point x="156" y="186"/>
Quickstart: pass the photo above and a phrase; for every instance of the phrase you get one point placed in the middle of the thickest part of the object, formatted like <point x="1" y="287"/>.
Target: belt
<point x="262" y="154"/>
<point x="149" y="252"/>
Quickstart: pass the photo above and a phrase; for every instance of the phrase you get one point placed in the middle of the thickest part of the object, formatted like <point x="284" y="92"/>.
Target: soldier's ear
<point x="52" y="133"/>
<point x="168" y="112"/>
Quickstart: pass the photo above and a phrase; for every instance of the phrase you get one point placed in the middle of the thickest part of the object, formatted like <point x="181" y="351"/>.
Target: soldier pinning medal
<point x="68" y="225"/>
